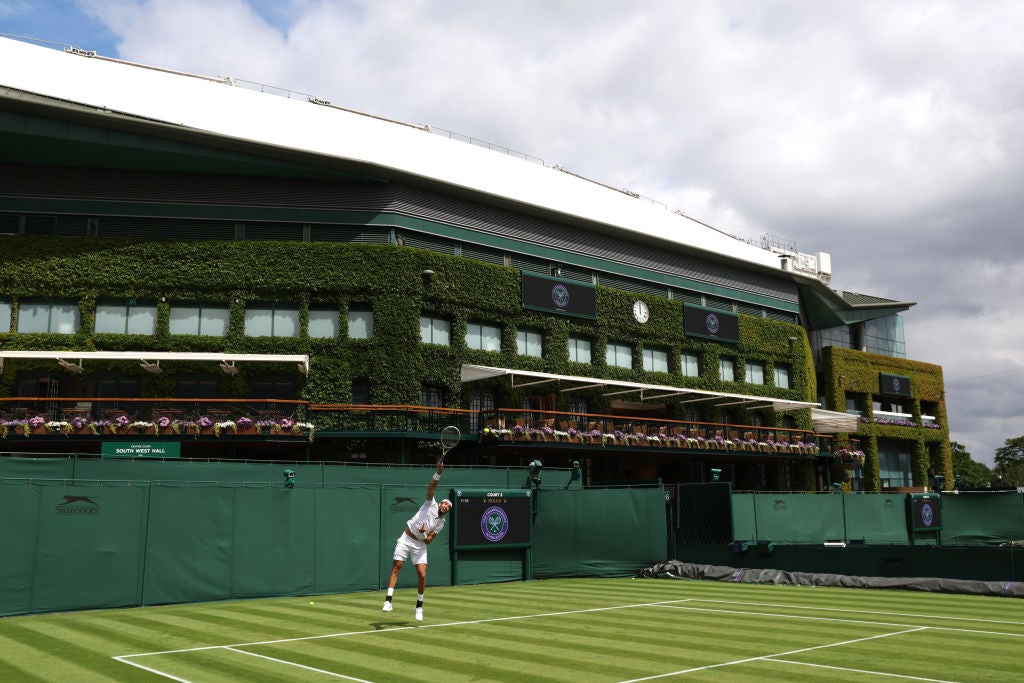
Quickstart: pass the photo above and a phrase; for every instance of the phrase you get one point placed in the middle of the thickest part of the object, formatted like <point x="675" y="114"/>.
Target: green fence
<point x="115" y="534"/>
<point x="968" y="519"/>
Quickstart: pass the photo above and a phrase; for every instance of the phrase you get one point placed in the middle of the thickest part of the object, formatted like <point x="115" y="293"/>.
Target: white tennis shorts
<point x="406" y="547"/>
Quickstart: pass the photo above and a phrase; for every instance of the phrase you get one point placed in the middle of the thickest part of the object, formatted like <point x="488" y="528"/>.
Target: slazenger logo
<point x="711" y="322"/>
<point x="400" y="505"/>
<point x="560" y="296"/>
<point x="494" y="523"/>
<point x="77" y="505"/>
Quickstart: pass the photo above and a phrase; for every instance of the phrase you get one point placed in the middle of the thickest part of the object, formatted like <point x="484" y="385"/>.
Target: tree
<point x="969" y="474"/>
<point x="1010" y="462"/>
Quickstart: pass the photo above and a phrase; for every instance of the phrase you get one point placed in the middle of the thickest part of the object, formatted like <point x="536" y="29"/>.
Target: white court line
<point x="123" y="657"/>
<point x="852" y="621"/>
<point x="858" y="611"/>
<point x="858" y="671"/>
<point x="296" y="664"/>
<point x="778" y="654"/>
<point x="673" y="604"/>
<point x="151" y="670"/>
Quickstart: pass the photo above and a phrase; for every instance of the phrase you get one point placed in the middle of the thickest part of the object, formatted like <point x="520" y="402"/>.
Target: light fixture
<point x="71" y="367"/>
<point x="427" y="274"/>
<point x="289" y="479"/>
<point x="303" y="369"/>
<point x="228" y="368"/>
<point x="940" y="483"/>
<point x="715" y="473"/>
<point x="837" y="487"/>
<point x="151" y="367"/>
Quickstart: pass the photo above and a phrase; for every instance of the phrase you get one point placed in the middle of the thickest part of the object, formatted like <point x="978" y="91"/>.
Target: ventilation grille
<point x="349" y="233"/>
<point x="484" y="254"/>
<point x="284" y="232"/>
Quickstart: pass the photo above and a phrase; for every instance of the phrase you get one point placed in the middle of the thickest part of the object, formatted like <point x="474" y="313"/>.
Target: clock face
<point x="640" y="312"/>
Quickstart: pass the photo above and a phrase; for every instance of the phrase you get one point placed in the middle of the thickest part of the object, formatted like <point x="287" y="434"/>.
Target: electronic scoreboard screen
<point x="492" y="519"/>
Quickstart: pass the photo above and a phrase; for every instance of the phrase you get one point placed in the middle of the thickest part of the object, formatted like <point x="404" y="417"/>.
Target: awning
<point x="831" y="422"/>
<point x="825" y="421"/>
<point x="150" y="360"/>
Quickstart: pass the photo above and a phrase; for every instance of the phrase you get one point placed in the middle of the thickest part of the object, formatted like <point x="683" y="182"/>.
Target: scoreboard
<point x="492" y="518"/>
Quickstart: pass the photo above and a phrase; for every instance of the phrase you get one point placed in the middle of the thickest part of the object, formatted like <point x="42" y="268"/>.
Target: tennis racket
<point x="449" y="439"/>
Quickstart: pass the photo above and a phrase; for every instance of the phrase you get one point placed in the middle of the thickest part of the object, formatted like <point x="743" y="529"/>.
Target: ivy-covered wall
<point x="856" y="373"/>
<point x="389" y="279"/>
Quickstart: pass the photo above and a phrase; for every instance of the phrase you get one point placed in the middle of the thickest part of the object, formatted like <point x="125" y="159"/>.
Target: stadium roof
<point x="120" y="93"/>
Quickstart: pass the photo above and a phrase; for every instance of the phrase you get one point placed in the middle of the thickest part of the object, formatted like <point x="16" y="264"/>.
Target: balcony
<point x="515" y="427"/>
<point x="77" y="420"/>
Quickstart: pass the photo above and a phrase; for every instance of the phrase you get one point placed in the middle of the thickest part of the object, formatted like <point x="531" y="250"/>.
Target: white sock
<point x="419" y="597"/>
<point x="391" y="591"/>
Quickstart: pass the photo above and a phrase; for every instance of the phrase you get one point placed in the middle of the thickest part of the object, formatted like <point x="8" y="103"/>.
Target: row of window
<point x="485" y="337"/>
<point x="269" y="320"/>
<point x="275" y="320"/>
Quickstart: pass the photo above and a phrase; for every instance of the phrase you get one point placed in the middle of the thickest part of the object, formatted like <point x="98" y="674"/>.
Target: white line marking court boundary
<point x="686" y="604"/>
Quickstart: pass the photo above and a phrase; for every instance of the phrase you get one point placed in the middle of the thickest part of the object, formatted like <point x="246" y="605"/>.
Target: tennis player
<point x="418" y="533"/>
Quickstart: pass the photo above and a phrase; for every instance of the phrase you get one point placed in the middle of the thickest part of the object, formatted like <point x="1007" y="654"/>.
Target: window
<point x="578" y="409"/>
<point x="619" y="355"/>
<point x="655" y="360"/>
<point x="483" y="337"/>
<point x="885" y="336"/>
<point x="689" y="365"/>
<point x="481" y="401"/>
<point x="115" y="318"/>
<point x="360" y="393"/>
<point x="528" y="343"/>
<point x="5" y="315"/>
<point x="726" y="370"/>
<point x="206" y="321"/>
<point x="197" y="386"/>
<point x="360" y="324"/>
<point x="273" y="387"/>
<point x="579" y="350"/>
<point x="323" y="324"/>
<point x="435" y="330"/>
<point x="271" y="320"/>
<point x="781" y="377"/>
<point x="43" y="316"/>
<point x="432" y="396"/>
<point x="754" y="372"/>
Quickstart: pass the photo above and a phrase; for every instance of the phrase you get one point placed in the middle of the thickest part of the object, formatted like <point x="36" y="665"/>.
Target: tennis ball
<point x="310" y="602"/>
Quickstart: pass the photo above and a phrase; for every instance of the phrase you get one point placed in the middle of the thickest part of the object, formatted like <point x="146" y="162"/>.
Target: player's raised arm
<point x="433" y="480"/>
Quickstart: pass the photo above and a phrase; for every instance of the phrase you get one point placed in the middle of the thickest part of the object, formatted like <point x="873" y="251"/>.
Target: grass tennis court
<point x="616" y="629"/>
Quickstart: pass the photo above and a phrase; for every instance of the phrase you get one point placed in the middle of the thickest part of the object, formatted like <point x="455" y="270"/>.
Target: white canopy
<point x="825" y="421"/>
<point x="150" y="360"/>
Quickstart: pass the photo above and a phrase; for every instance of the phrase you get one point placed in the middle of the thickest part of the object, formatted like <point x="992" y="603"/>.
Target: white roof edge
<point x="825" y="421"/>
<point x="215" y="106"/>
<point x="475" y="372"/>
<point x="152" y="356"/>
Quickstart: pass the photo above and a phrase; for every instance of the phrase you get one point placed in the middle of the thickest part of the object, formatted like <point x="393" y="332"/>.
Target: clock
<point x="640" y="311"/>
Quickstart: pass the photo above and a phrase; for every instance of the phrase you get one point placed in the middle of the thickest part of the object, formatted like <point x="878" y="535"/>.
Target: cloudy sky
<point x="888" y="133"/>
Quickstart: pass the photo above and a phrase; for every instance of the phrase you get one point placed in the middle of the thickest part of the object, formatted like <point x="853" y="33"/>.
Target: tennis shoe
<point x="387" y="606"/>
<point x="419" y="614"/>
